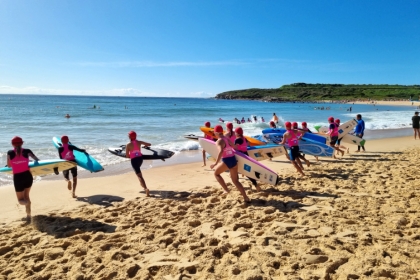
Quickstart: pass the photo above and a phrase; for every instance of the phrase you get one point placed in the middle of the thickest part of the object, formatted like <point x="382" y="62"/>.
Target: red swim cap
<point x="218" y="129"/>
<point x="330" y="119"/>
<point x="288" y="124"/>
<point x="132" y="135"/>
<point x="229" y="125"/>
<point x="304" y="124"/>
<point x="239" y="130"/>
<point x="64" y="139"/>
<point x="207" y="124"/>
<point x="295" y="125"/>
<point x="272" y="123"/>
<point x="17" y="140"/>
<point x="337" y="120"/>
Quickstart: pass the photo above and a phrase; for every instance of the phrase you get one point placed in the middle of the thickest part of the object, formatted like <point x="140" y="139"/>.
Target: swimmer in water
<point x="67" y="116"/>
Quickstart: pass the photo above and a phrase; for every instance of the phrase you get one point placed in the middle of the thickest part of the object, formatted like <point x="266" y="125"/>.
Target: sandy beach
<point x="352" y="218"/>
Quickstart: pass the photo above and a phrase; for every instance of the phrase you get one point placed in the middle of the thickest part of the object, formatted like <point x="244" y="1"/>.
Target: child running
<point x="66" y="152"/>
<point x="291" y="137"/>
<point x="307" y="130"/>
<point x="300" y="134"/>
<point x="133" y="151"/>
<point x="18" y="160"/>
<point x="241" y="145"/>
<point x="333" y="133"/>
<point x="337" y="122"/>
<point x="206" y="124"/>
<point x="226" y="161"/>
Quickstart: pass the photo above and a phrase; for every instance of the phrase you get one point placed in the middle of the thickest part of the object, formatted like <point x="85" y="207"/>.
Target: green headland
<point x="318" y="92"/>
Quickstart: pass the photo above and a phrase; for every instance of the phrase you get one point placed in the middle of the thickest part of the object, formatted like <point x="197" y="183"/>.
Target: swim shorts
<point x="334" y="140"/>
<point x="22" y="181"/>
<point x="136" y="164"/>
<point x="339" y="141"/>
<point x="230" y="162"/>
<point x="294" y="152"/>
<point x="73" y="171"/>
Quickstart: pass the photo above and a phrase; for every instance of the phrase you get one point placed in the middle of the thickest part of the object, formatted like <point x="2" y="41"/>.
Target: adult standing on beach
<point x="333" y="133"/>
<point x="206" y="124"/>
<point x="133" y="151"/>
<point x="359" y="130"/>
<point x="66" y="152"/>
<point x="292" y="140"/>
<point x="416" y="125"/>
<point x="18" y="160"/>
<point x="226" y="160"/>
<point x="275" y="119"/>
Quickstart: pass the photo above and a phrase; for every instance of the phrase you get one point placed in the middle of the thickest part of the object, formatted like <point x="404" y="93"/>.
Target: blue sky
<point x="200" y="48"/>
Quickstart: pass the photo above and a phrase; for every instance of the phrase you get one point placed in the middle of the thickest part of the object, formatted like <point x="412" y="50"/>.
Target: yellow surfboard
<point x="252" y="141"/>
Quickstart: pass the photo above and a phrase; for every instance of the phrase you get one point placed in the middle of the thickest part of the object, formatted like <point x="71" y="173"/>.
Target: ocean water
<point x="160" y="121"/>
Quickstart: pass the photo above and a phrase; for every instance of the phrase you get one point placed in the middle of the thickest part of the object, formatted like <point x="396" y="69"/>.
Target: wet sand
<point x="352" y="218"/>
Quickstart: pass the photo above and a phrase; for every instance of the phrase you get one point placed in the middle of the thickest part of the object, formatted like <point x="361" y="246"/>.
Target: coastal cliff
<point x="308" y="92"/>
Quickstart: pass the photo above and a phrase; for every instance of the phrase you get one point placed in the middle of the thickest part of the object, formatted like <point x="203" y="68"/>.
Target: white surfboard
<point x="246" y="165"/>
<point x="343" y="129"/>
<point x="353" y="139"/>
<point x="268" y="151"/>
<point x="44" y="167"/>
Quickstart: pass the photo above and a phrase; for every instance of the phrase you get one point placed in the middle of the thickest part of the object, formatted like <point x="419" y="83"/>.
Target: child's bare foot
<point x="342" y="153"/>
<point x="147" y="192"/>
<point x="74" y="195"/>
<point x="307" y="163"/>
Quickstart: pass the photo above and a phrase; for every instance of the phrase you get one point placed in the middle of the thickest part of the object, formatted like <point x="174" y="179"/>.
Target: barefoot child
<point x="18" y="160"/>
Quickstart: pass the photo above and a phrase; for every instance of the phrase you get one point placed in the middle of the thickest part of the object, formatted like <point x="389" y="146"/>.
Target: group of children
<point x="230" y="141"/>
<point x="18" y="160"/>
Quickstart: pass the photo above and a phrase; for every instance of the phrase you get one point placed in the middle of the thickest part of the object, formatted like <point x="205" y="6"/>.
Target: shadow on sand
<point x="60" y="227"/>
<point x="101" y="199"/>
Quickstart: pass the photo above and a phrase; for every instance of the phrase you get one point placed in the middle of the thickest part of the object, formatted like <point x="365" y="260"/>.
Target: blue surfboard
<point x="44" y="167"/>
<point x="306" y="146"/>
<point x="82" y="159"/>
<point x="307" y="135"/>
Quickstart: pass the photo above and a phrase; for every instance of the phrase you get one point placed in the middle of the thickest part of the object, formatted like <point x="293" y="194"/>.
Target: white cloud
<point x="111" y="92"/>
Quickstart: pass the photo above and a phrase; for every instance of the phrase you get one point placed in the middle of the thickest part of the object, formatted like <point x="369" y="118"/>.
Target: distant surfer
<point x="416" y="125"/>
<point x="241" y="145"/>
<point x="262" y="119"/>
<point x="18" y="160"/>
<point x="67" y="116"/>
<point x="226" y="160"/>
<point x="291" y="137"/>
<point x="359" y="130"/>
<point x="275" y="119"/>
<point x="133" y="151"/>
<point x="66" y="152"/>
<point x="221" y="120"/>
<point x="206" y="124"/>
<point x="333" y="133"/>
<point x="243" y="120"/>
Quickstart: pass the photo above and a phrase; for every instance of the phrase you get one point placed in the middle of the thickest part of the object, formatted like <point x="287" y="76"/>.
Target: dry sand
<point x="354" y="218"/>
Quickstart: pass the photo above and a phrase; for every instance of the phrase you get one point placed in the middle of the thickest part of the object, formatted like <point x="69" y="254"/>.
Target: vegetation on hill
<point x="307" y="92"/>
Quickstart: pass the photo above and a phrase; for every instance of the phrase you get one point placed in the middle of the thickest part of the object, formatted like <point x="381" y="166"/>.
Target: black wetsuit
<point x="416" y="121"/>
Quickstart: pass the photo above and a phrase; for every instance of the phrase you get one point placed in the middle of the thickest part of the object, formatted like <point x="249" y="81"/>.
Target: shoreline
<point x="103" y="190"/>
